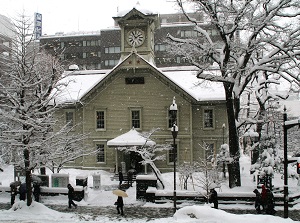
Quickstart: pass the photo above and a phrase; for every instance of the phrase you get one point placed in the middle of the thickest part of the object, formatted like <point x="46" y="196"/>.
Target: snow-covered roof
<point x="131" y="138"/>
<point x="137" y="7"/>
<point x="186" y="78"/>
<point x="6" y="27"/>
<point x="77" y="84"/>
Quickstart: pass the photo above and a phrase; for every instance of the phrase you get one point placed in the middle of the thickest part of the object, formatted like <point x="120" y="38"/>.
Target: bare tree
<point x="64" y="146"/>
<point x="29" y="84"/>
<point x="254" y="37"/>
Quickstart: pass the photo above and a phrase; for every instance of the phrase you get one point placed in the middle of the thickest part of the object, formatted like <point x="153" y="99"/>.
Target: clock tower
<point x="137" y="33"/>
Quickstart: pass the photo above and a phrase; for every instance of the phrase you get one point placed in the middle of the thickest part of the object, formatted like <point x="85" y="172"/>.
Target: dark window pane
<point x="100" y="120"/>
<point x="135" y="118"/>
<point x="100" y="153"/>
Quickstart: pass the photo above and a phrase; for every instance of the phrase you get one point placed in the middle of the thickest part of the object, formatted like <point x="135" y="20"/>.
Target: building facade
<point x="102" y="49"/>
<point x="137" y="94"/>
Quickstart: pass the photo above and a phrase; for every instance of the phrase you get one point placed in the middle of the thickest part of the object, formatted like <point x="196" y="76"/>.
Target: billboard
<point x="37" y="25"/>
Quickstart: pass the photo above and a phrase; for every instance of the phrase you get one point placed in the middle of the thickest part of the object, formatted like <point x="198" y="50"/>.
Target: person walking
<point x="22" y="191"/>
<point x="71" y="196"/>
<point x="213" y="197"/>
<point x="263" y="197"/>
<point x="120" y="205"/>
<point x="129" y="177"/>
<point x="36" y="191"/>
<point x="13" y="193"/>
<point x="121" y="178"/>
<point x="270" y="203"/>
<point x="257" y="201"/>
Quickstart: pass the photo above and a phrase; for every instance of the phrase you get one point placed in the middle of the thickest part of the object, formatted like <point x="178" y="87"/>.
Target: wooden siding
<point x="153" y="98"/>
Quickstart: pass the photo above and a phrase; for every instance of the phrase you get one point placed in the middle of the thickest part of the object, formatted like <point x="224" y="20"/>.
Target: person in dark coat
<point x="270" y="203"/>
<point x="22" y="191"/>
<point x="257" y="201"/>
<point x="129" y="177"/>
<point x="263" y="197"/>
<point x="121" y="178"/>
<point x="13" y="193"/>
<point x="120" y="205"/>
<point x="71" y="196"/>
<point x="213" y="198"/>
<point x="36" y="191"/>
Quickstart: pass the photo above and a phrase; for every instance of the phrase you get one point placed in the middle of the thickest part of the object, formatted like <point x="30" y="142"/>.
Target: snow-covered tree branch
<point x="253" y="38"/>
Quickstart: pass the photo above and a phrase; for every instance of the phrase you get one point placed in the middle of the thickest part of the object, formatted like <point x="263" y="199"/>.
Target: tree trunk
<point x="28" y="176"/>
<point x="234" y="167"/>
<point x="43" y="170"/>
<point x="157" y="174"/>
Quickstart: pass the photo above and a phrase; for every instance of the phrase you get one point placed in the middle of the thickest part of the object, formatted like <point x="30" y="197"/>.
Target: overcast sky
<point x="79" y="15"/>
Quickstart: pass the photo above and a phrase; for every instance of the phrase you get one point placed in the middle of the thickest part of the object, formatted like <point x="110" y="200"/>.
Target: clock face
<point x="135" y="37"/>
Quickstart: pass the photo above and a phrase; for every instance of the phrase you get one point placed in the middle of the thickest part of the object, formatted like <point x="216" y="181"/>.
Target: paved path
<point x="138" y="212"/>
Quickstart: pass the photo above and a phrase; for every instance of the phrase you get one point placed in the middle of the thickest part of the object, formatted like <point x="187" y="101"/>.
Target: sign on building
<point x="59" y="180"/>
<point x="37" y="25"/>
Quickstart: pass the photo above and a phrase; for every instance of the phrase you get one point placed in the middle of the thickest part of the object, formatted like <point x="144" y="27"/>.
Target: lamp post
<point x="223" y="128"/>
<point x="174" y="130"/>
<point x="286" y="125"/>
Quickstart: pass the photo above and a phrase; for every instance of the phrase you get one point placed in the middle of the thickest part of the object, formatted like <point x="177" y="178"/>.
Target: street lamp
<point x="286" y="125"/>
<point x="174" y="130"/>
<point x="223" y="128"/>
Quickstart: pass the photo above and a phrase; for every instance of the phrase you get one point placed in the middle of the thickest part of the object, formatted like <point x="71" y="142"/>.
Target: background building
<point x="102" y="49"/>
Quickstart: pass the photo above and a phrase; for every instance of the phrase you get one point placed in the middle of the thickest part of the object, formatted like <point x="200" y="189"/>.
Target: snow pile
<point x="36" y="212"/>
<point x="208" y="214"/>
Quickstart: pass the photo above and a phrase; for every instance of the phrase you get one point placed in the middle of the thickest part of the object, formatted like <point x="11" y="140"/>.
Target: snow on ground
<point x="104" y="197"/>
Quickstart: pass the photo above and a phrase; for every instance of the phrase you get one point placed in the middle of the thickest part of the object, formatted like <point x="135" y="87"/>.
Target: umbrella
<point x="36" y="179"/>
<point x="212" y="186"/>
<point x="15" y="184"/>
<point x="120" y="193"/>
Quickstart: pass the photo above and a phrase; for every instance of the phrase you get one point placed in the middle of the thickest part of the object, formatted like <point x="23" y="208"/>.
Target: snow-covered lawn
<point x="104" y="197"/>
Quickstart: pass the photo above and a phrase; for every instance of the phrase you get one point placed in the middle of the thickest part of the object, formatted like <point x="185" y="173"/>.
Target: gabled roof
<point x="182" y="79"/>
<point x="131" y="138"/>
<point x="136" y="14"/>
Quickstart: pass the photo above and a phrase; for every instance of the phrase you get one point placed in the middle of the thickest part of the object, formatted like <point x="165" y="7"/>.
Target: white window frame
<point x="98" y="152"/>
<point x="100" y="129"/>
<point x="204" y="118"/>
<point x="73" y="117"/>
<point x="140" y="117"/>
<point x="213" y="152"/>
<point x="170" y="152"/>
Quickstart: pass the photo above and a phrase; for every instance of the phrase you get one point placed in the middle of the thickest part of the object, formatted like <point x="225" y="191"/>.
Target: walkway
<point x="138" y="212"/>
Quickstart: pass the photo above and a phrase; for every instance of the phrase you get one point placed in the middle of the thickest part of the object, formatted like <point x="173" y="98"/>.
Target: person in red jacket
<point x="263" y="196"/>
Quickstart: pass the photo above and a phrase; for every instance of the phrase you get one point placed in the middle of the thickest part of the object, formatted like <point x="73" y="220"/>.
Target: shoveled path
<point x="138" y="212"/>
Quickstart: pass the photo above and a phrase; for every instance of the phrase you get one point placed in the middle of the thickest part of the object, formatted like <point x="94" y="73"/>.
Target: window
<point x="100" y="153"/>
<point x="208" y="118"/>
<point x="70" y="118"/>
<point x="113" y="49"/>
<point x="160" y="47"/>
<point x="209" y="151"/>
<point x="100" y="120"/>
<point x="136" y="119"/>
<point x="134" y="80"/>
<point x="171" y="154"/>
<point x="191" y="33"/>
<point x="111" y="62"/>
<point x="172" y="119"/>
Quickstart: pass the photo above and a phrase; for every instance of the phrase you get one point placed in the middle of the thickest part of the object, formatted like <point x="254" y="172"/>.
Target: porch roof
<point x="131" y="138"/>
